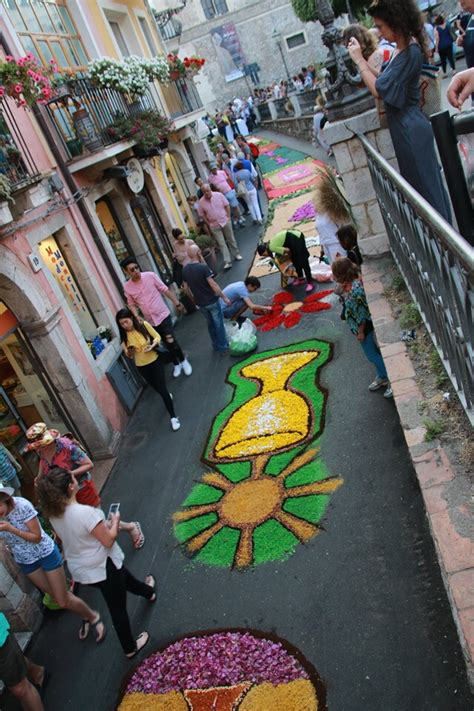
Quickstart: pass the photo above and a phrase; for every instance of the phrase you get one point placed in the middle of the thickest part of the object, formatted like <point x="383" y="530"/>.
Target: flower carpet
<point x="268" y="487"/>
<point x="229" y="670"/>
<point x="287" y="312"/>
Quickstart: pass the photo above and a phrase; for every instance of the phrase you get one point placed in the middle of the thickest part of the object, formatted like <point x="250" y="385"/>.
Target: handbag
<point x="241" y="189"/>
<point x="430" y="89"/>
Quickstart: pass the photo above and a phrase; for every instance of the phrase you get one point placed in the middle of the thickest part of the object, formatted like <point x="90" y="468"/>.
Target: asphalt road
<point x="363" y="601"/>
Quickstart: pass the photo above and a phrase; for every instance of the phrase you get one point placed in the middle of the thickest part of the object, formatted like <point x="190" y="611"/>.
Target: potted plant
<point x="150" y="130"/>
<point x="130" y="76"/>
<point x="207" y="246"/>
<point x="25" y="80"/>
<point x="182" y="68"/>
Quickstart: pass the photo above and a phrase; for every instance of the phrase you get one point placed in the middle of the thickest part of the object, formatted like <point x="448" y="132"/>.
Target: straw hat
<point x="40" y="436"/>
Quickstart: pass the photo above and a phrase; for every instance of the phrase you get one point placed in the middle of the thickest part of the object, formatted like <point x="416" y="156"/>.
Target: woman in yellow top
<point x="139" y="341"/>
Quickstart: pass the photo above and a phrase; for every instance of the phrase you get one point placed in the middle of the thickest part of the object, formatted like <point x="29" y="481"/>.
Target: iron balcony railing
<point x="438" y="267"/>
<point x="181" y="97"/>
<point x="171" y="29"/>
<point x="16" y="160"/>
<point x="99" y="108"/>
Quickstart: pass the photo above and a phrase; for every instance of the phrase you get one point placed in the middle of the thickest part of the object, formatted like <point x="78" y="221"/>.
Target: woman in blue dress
<point x="400" y="22"/>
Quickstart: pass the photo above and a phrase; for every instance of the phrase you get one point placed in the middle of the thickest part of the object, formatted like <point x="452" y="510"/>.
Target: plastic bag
<point x="245" y="339"/>
<point x="231" y="329"/>
<point x="320" y="271"/>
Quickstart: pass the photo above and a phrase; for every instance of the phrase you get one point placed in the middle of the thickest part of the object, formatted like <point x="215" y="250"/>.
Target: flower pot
<point x="85" y="130"/>
<point x="135" y="107"/>
<point x="175" y="74"/>
<point x="75" y="147"/>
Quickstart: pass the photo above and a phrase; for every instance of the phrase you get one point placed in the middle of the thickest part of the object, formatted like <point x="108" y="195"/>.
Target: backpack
<point x="254" y="150"/>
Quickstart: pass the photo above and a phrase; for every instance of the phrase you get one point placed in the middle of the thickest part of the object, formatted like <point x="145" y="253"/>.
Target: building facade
<point x="82" y="202"/>
<point x="246" y="43"/>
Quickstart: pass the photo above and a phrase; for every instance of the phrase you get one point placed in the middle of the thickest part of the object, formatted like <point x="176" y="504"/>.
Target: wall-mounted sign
<point x="35" y="262"/>
<point x="136" y="177"/>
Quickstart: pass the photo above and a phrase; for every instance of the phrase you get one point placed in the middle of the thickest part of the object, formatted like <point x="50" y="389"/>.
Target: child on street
<point x="347" y="236"/>
<point x="358" y="317"/>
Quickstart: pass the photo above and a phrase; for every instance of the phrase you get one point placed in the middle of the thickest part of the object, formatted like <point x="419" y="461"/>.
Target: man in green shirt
<point x="16" y="670"/>
<point x="291" y="242"/>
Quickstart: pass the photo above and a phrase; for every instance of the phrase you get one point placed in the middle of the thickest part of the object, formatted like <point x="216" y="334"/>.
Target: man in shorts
<point x="17" y="672"/>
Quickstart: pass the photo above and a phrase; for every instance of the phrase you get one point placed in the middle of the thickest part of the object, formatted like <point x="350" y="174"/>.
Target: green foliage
<point x="398" y="283"/>
<point x="433" y="429"/>
<point x="305" y="10"/>
<point x="5" y="188"/>
<point x="410" y="316"/>
<point x="148" y="128"/>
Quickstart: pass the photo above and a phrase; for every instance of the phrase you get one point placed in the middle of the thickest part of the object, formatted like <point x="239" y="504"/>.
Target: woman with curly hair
<point x="374" y="55"/>
<point x="400" y="21"/>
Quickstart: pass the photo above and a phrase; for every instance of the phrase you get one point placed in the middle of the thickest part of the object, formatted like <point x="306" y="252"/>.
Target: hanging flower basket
<point x="25" y="81"/>
<point x="130" y="76"/>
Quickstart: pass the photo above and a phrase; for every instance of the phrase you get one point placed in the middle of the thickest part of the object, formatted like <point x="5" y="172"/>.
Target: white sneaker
<point x="238" y="257"/>
<point x="227" y="265"/>
<point x="175" y="423"/>
<point x="177" y="370"/>
<point x="186" y="366"/>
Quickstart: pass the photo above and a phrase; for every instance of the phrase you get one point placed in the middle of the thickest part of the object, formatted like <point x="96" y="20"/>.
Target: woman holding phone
<point x="398" y="85"/>
<point x="92" y="554"/>
<point x="139" y="342"/>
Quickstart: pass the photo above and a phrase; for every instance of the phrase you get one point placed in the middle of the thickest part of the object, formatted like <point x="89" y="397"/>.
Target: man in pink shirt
<point x="215" y="211"/>
<point x="220" y="180"/>
<point x="144" y="291"/>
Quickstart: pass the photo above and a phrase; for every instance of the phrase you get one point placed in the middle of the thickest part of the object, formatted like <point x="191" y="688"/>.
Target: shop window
<point x="111" y="226"/>
<point x="213" y="8"/>
<point x="153" y="232"/>
<point x="56" y="263"/>
<point x="295" y="41"/>
<point x="46" y="29"/>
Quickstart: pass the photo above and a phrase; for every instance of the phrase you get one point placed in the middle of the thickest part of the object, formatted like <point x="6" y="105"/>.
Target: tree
<point x="306" y="11"/>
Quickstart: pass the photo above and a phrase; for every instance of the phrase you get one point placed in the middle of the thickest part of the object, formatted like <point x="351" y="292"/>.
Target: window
<point x="119" y="38"/>
<point x="55" y="261"/>
<point x="295" y="41"/>
<point x="213" y="8"/>
<point x="145" y="28"/>
<point x="46" y="29"/>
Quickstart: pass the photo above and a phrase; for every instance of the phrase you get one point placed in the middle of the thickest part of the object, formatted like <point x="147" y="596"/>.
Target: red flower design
<point x="287" y="311"/>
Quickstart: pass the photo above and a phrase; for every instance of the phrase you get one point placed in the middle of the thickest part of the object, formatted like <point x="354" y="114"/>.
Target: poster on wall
<point x="228" y="51"/>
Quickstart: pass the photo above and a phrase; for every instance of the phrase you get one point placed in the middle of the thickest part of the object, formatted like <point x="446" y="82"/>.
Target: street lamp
<point x="346" y="97"/>
<point x="277" y="37"/>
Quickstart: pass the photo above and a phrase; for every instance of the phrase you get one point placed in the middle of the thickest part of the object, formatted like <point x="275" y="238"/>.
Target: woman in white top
<point x="93" y="556"/>
<point x="331" y="213"/>
<point x="38" y="557"/>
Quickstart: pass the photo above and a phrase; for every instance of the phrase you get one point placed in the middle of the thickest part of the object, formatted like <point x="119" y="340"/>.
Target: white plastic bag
<point x="231" y="329"/>
<point x="320" y="271"/>
<point x="245" y="340"/>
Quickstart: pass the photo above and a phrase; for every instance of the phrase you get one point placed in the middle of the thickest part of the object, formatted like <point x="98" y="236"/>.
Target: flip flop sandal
<point x="150" y="580"/>
<point x="142" y="636"/>
<point x="84" y="630"/>
<point x="98" y="637"/>
<point x="139" y="540"/>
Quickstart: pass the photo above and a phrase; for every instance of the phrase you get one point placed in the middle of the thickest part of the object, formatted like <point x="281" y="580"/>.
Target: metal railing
<point x="170" y="29"/>
<point x="101" y="105"/>
<point x="16" y="161"/>
<point x="181" y="97"/>
<point x="438" y="267"/>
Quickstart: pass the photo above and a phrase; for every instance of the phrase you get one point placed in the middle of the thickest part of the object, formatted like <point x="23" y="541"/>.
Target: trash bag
<point x="231" y="329"/>
<point x="245" y="339"/>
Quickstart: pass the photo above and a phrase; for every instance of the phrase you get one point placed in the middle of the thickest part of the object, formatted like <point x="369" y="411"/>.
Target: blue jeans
<point x="234" y="308"/>
<point x="215" y="325"/>
<point x="372" y="353"/>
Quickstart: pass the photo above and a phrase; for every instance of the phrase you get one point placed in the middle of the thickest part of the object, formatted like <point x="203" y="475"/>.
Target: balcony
<point x="82" y="112"/>
<point x="181" y="98"/>
<point x="16" y="161"/>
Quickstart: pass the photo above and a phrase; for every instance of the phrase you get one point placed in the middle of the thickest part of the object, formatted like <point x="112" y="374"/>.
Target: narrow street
<point x="363" y="600"/>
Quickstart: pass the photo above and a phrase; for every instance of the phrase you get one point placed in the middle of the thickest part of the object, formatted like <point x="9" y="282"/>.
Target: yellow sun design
<point x="252" y="501"/>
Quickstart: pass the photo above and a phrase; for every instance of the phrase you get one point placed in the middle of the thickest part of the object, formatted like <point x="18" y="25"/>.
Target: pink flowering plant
<point x="25" y="80"/>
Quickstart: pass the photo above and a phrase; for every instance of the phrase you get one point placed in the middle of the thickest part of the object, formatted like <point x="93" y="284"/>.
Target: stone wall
<point x="301" y="127"/>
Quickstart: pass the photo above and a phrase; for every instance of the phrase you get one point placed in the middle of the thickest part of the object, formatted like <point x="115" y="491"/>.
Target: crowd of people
<point x="390" y="66"/>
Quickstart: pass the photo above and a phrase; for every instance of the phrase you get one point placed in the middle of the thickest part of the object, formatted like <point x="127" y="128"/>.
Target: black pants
<point x="114" y="589"/>
<point x="165" y="328"/>
<point x="447" y="55"/>
<point x="154" y="374"/>
<point x="299" y="255"/>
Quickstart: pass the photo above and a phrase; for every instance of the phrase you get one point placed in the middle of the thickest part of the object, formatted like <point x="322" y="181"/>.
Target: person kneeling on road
<point x="239" y="295"/>
<point x="291" y="242"/>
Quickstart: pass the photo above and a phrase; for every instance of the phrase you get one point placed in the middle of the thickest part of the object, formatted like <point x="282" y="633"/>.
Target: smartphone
<point x="114" y="508"/>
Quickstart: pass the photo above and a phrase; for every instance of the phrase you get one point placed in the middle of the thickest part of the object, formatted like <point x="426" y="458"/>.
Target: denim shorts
<point x="231" y="198"/>
<point x="48" y="563"/>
